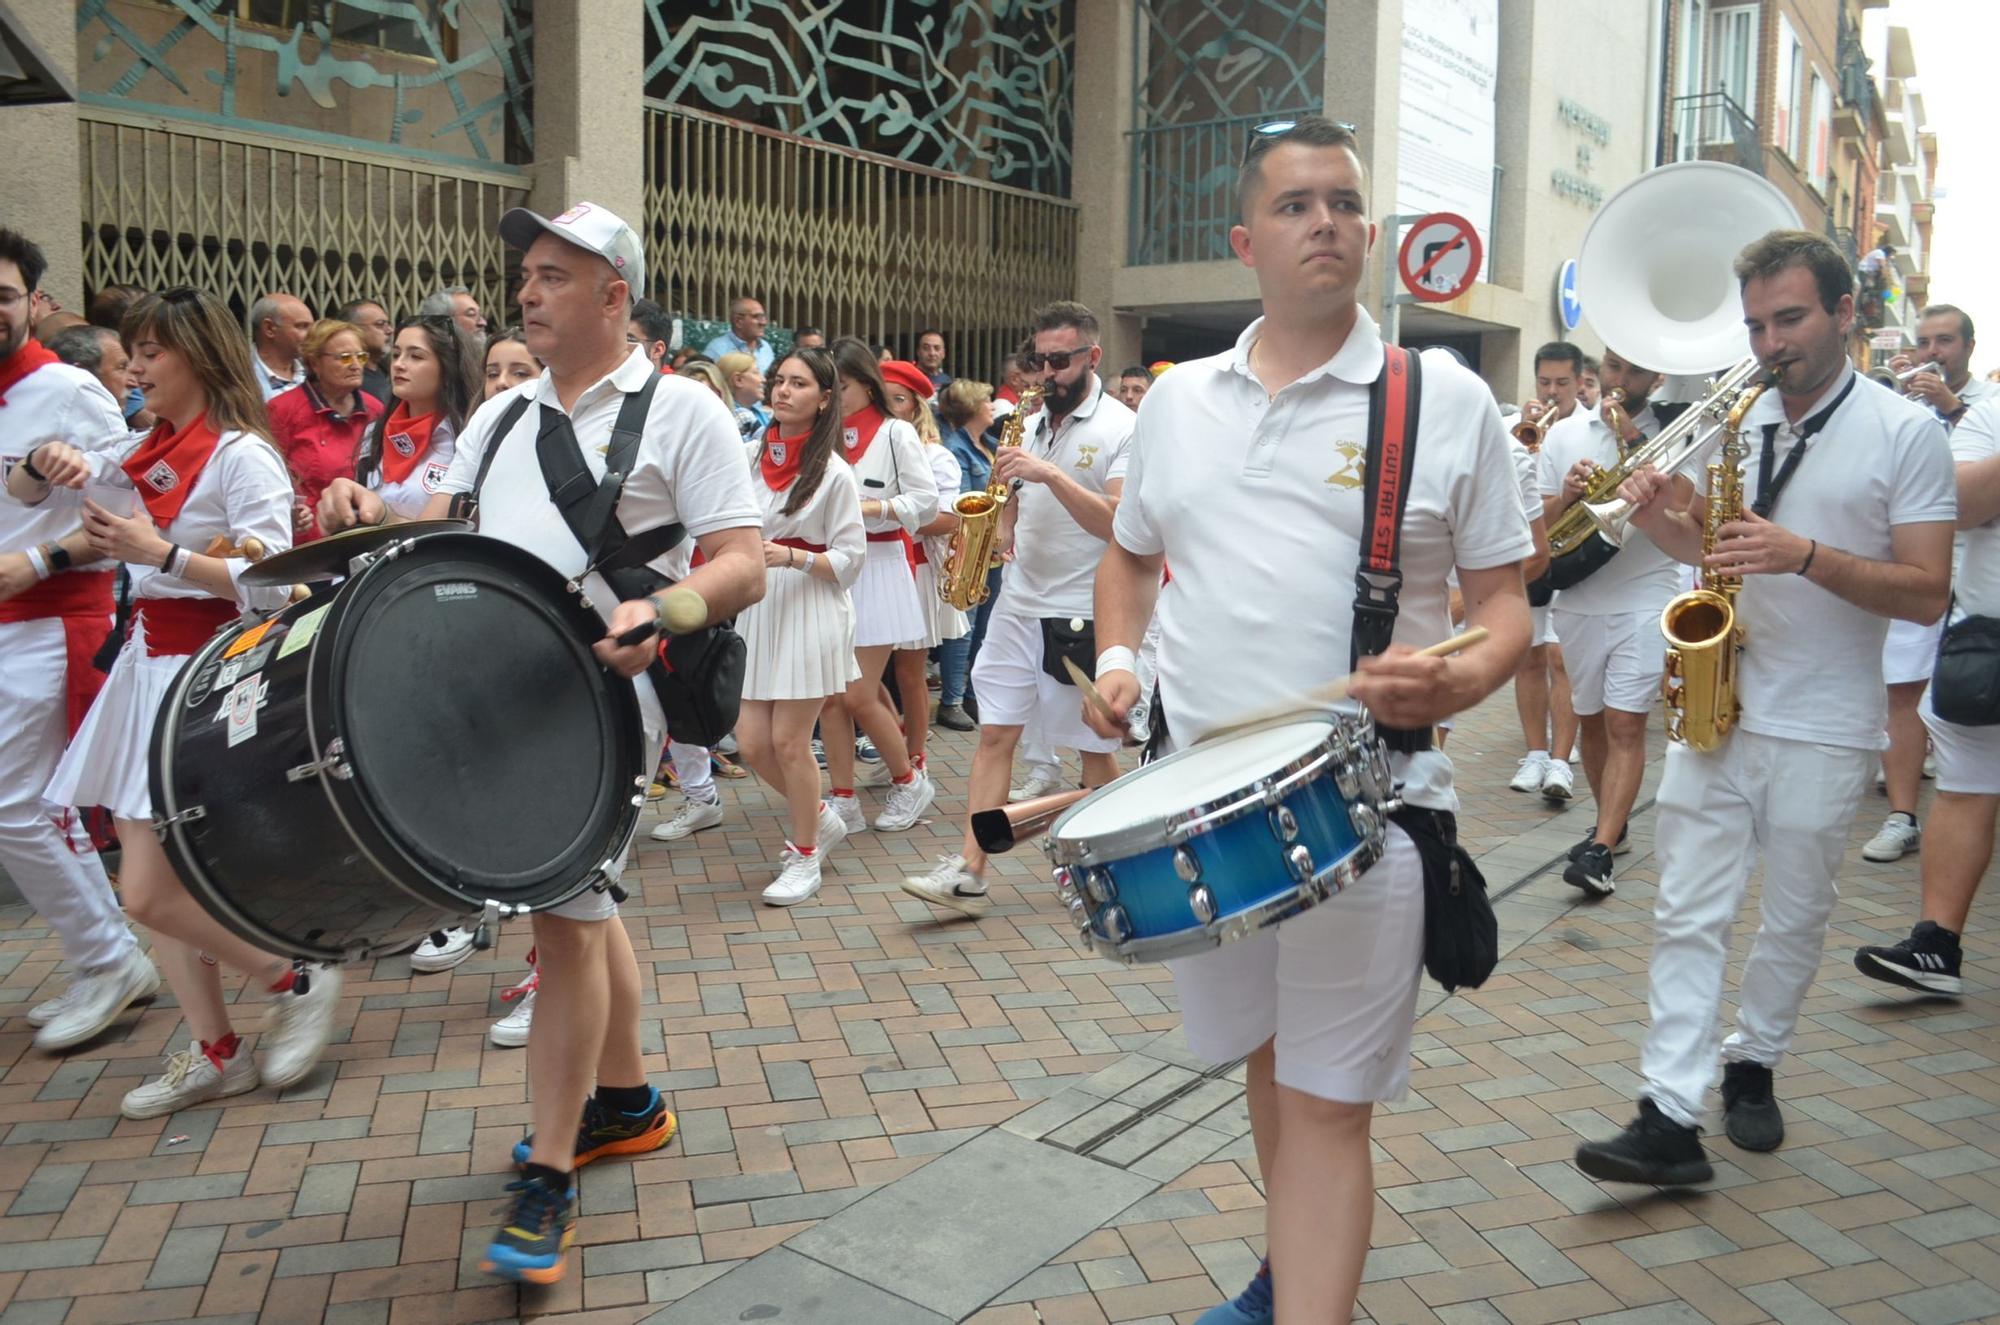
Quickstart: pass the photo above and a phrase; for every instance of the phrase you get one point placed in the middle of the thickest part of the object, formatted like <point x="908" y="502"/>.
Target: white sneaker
<point x="190" y="1078"/>
<point x="1558" y="781"/>
<point x="511" y="1031"/>
<point x="1534" y="767"/>
<point x="1898" y="838"/>
<point x="848" y="810"/>
<point x="907" y="803"/>
<point x="1038" y="784"/>
<point x="950" y="884"/>
<point x="832" y="828"/>
<point x="694" y="816"/>
<point x="95" y="1001"/>
<point x="798" y="880"/>
<point x="49" y="1009"/>
<point x="300" y="1026"/>
<point x="432" y="955"/>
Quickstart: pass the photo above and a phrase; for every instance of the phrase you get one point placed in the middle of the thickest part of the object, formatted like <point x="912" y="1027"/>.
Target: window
<point x="1786" y="130"/>
<point x="1732" y="51"/>
<point x="1822" y="131"/>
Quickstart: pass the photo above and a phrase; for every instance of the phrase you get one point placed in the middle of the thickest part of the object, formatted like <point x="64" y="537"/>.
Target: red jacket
<point x="318" y="445"/>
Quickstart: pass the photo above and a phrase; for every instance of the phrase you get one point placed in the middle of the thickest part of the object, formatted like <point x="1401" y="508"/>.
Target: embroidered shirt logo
<point x="850" y="437"/>
<point x="778" y="450"/>
<point x="1353" y="458"/>
<point x="1086" y="455"/>
<point x="162" y="478"/>
<point x="434" y="473"/>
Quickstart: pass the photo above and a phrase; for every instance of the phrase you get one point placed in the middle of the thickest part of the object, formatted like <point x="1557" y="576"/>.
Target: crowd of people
<point x="154" y="452"/>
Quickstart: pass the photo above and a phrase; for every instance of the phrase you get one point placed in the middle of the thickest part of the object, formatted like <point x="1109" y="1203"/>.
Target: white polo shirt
<point x="269" y="382"/>
<point x="1054" y="571"/>
<point x="55" y="403"/>
<point x="1257" y="504"/>
<point x="1977" y="583"/>
<point x="1811" y="668"/>
<point x="1641" y="578"/>
<point x="689" y="467"/>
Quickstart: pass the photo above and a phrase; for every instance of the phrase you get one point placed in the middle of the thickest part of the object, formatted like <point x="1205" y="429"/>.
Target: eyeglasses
<point x="1271" y="131"/>
<point x="1034" y="360"/>
<point x="346" y="358"/>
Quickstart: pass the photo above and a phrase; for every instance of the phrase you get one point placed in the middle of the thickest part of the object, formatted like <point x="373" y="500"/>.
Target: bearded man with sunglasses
<point x="1067" y="475"/>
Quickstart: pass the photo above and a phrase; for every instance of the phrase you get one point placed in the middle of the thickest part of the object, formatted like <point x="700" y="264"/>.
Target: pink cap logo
<point x="573" y="215"/>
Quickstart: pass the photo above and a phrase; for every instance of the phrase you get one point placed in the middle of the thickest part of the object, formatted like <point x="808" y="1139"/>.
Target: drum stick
<point x="997" y="830"/>
<point x="1333" y="692"/>
<point x="683" y="610"/>
<point x="1091" y="696"/>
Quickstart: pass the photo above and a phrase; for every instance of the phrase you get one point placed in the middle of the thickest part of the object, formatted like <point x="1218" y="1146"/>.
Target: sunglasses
<point x="1271" y="131"/>
<point x="346" y="357"/>
<point x="1034" y="360"/>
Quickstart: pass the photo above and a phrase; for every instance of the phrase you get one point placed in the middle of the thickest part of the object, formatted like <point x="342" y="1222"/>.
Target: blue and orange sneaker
<point x="533" y="1242"/>
<point x="1255" y="1305"/>
<point x="604" y="1132"/>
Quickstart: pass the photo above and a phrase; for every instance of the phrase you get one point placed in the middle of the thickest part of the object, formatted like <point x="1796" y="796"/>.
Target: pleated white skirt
<point x="799" y="638"/>
<point x="886" y="607"/>
<point x="942" y="621"/>
<point x="109" y="762"/>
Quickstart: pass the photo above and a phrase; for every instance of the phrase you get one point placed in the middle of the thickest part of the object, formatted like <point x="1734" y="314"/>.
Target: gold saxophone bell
<point x="963" y="581"/>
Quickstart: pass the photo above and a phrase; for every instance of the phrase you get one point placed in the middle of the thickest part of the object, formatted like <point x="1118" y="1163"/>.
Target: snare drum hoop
<point x="1345" y="733"/>
<point x="350" y="800"/>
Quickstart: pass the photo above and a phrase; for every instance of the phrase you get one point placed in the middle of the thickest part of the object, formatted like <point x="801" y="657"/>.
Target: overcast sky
<point x="1954" y="42"/>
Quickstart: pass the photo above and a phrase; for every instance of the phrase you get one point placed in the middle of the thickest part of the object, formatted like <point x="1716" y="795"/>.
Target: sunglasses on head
<point x="1271" y="131"/>
<point x="1034" y="360"/>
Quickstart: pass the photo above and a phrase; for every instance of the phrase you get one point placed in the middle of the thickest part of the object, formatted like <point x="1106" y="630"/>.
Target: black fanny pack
<point x="1072" y="638"/>
<point x="1580" y="563"/>
<point x="1541" y="591"/>
<point x="1461" y="933"/>
<point x="1965" y="683"/>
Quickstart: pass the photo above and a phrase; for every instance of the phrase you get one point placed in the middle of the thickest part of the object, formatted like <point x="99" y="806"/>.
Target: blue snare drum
<point x="1226" y="837"/>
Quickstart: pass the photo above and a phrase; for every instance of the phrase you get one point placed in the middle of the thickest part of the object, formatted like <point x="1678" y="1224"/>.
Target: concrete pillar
<point x="46" y="202"/>
<point x="1513" y="131"/>
<point x="1364" y="79"/>
<point x="1101" y="168"/>
<point x="590" y="124"/>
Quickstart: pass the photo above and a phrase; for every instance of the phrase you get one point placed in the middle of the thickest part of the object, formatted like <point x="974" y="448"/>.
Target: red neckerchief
<point x="31" y="355"/>
<point x="780" y="459"/>
<point x="859" y="431"/>
<point x="166" y="465"/>
<point x="405" y="441"/>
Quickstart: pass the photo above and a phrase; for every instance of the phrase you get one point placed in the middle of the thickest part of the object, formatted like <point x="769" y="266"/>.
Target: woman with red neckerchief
<point x="800" y="636"/>
<point x="207" y="476"/>
<point x="899" y="496"/>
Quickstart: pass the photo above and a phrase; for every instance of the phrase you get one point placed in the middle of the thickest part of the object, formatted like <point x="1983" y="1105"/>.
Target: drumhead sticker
<point x="302" y="632"/>
<point x="247" y="640"/>
<point x="240" y="707"/>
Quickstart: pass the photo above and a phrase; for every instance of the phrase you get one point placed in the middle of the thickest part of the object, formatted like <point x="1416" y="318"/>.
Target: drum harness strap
<point x="1394" y="405"/>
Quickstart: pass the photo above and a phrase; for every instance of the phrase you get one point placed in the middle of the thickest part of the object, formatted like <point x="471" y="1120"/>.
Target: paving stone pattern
<point x="822" y="1059"/>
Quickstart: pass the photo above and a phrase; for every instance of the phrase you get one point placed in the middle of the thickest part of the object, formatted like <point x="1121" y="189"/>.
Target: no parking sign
<point x="1440" y="257"/>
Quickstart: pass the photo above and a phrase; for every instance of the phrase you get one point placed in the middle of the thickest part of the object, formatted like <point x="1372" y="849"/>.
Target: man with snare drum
<point x="1247" y="477"/>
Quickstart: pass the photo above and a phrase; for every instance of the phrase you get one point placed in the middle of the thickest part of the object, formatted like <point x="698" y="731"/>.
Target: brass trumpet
<point x="1532" y="432"/>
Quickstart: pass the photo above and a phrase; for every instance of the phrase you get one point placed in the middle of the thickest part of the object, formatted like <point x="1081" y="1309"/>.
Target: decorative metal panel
<point x="242" y="214"/>
<point x="448" y="78"/>
<point x="850" y="243"/>
<point x="1205" y="72"/>
<point x="981" y="88"/>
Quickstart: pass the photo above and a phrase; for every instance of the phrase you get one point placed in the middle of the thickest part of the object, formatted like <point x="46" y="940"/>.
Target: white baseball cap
<point x="588" y="226"/>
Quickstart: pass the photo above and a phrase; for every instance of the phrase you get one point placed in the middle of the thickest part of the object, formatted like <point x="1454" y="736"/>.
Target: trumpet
<point x="1898" y="381"/>
<point x="1531" y="432"/>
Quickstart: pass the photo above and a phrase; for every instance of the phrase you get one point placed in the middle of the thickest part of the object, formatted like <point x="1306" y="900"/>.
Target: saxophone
<point x="963" y="582"/>
<point x="1703" y="636"/>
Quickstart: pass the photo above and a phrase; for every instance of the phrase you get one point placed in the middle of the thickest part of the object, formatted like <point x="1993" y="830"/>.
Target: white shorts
<point x="1014" y="690"/>
<point x="1968" y="758"/>
<point x="1613" y="661"/>
<point x="598" y="903"/>
<point x="1544" y="629"/>
<point x="1336" y="987"/>
<point x="1909" y="652"/>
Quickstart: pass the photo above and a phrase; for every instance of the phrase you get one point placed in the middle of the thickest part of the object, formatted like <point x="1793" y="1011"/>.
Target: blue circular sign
<point x="1569" y="306"/>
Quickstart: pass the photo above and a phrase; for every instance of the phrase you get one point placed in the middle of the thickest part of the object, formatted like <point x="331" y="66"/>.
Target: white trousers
<point x="62" y="879"/>
<point x="694" y="770"/>
<point x="1790" y="801"/>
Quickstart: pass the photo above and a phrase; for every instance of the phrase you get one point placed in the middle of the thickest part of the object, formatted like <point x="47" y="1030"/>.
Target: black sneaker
<point x="1927" y="960"/>
<point x="533" y="1240"/>
<point x="606" y="1131"/>
<point x="1653" y="1149"/>
<point x="1591" y="871"/>
<point x="1624" y="847"/>
<point x="1750" y="1114"/>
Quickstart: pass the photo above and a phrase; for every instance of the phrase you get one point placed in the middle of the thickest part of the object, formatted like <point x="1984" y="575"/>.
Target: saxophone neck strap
<point x="1770" y="485"/>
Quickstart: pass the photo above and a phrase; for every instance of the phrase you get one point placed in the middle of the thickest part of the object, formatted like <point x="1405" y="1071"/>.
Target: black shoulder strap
<point x="1393" y="406"/>
<point x="588" y="505"/>
<point x="465" y="505"/>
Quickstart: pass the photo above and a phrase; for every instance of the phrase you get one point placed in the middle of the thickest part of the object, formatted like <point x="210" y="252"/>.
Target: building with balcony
<point x="1900" y="287"/>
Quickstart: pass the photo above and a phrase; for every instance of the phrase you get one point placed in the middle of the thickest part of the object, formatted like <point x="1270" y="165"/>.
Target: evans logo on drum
<point x="455" y="590"/>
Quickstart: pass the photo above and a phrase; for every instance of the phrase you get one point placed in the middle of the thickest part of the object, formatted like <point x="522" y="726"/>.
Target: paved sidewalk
<point x="890" y="1117"/>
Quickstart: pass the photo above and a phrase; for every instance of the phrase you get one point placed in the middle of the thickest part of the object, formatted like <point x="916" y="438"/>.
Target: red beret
<point x="908" y="376"/>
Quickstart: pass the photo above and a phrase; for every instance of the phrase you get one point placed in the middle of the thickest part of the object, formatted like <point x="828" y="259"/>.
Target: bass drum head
<point x="486" y="740"/>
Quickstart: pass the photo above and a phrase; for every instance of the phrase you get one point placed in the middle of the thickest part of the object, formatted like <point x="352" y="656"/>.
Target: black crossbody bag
<point x="1965" y="682"/>
<point x="698" y="676"/>
<point x="1461" y="933"/>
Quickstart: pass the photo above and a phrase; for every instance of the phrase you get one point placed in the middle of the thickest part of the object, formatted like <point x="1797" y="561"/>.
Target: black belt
<point x="1407" y="740"/>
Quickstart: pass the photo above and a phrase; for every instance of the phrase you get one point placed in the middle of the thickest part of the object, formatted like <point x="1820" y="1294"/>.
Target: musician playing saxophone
<point x="1852" y="508"/>
<point x="1609" y="624"/>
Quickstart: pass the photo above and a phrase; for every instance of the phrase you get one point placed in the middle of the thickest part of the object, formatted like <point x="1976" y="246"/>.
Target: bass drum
<point x="369" y="765"/>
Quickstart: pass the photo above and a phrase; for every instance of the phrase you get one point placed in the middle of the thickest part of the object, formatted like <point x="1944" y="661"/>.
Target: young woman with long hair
<point x="508" y="363"/>
<point x="800" y="636"/>
<point x="206" y="477"/>
<point x="899" y="496"/>
<point x="908" y="388"/>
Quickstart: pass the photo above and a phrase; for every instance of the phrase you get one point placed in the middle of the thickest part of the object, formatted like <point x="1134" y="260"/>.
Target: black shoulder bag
<point x="699" y="676"/>
<point x="1965" y="683"/>
<point x="1461" y="933"/>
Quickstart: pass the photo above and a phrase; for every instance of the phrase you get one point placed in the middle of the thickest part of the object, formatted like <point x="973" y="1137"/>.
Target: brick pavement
<point x="818" y="1055"/>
